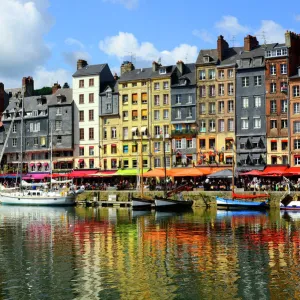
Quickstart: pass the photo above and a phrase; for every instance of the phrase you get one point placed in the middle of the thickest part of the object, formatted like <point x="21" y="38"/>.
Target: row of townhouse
<point x="234" y="104"/>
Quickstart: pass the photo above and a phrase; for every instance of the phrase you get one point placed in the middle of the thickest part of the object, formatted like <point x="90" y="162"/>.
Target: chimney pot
<point x="81" y="63"/>
<point x="250" y="42"/>
<point x="222" y="46"/>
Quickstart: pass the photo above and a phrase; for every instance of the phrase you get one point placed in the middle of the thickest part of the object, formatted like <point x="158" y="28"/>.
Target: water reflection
<point x="97" y="253"/>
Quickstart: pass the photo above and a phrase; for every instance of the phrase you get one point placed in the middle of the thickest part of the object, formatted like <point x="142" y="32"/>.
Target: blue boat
<point x="241" y="204"/>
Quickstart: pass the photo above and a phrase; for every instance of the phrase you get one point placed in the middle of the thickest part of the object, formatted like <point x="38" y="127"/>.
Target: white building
<point x="87" y="82"/>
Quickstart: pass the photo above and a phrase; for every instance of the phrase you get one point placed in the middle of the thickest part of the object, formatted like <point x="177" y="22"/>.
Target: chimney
<point x="116" y="77"/>
<point x="55" y="88"/>
<point x="81" y="63"/>
<point x="155" y="66"/>
<point x="180" y="66"/>
<point x="28" y="86"/>
<point x="222" y="46"/>
<point x="250" y="42"/>
<point x="127" y="66"/>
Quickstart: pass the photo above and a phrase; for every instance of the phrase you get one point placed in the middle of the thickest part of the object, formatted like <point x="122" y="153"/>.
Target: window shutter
<point x="38" y="126"/>
<point x="173" y="144"/>
<point x="31" y="127"/>
<point x="194" y="143"/>
<point x="183" y="143"/>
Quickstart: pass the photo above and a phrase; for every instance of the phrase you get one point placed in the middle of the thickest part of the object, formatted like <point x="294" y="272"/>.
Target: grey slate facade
<point x="109" y="100"/>
<point x="251" y="142"/>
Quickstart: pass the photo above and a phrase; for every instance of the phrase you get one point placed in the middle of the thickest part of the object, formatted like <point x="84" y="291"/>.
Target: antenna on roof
<point x="132" y="56"/>
<point x="186" y="57"/>
<point x="232" y="40"/>
<point x="263" y="36"/>
<point x="159" y="60"/>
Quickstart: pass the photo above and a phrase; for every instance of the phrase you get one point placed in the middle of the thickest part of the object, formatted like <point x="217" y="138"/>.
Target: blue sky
<point x="44" y="38"/>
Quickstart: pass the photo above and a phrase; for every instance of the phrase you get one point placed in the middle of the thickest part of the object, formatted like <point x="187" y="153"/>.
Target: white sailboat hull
<point x="44" y="200"/>
<point x="138" y="203"/>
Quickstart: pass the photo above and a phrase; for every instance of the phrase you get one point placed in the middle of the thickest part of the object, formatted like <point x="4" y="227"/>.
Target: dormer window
<point x="162" y="71"/>
<point x="39" y="102"/>
<point x="206" y="59"/>
<point x="108" y="95"/>
<point x="59" y="99"/>
<point x="35" y="113"/>
<point x="183" y="82"/>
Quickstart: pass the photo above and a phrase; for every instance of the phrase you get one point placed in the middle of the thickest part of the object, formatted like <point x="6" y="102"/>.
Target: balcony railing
<point x="184" y="131"/>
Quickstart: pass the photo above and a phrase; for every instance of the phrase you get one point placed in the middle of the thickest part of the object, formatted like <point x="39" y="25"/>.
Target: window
<point x="230" y="125"/>
<point x="273" y="160"/>
<point x="144" y="98"/>
<point x="91" y="133"/>
<point x="105" y="133"/>
<point x="211" y="74"/>
<point x="212" y="143"/>
<point x="189" y="112"/>
<point x="273" y="87"/>
<point x="221" y="74"/>
<point x="202" y="144"/>
<point x="125" y="148"/>
<point x="221" y="126"/>
<point x="284" y="145"/>
<point x="145" y="148"/>
<point x="178" y="99"/>
<point x="144" y="83"/>
<point x="211" y="91"/>
<point x="162" y="71"/>
<point x="157" y="130"/>
<point x="297" y="108"/>
<point x="35" y="141"/>
<point x="257" y="101"/>
<point x="296" y="92"/>
<point x="156" y="115"/>
<point x="134" y="115"/>
<point x="178" y="144"/>
<point x="212" y="125"/>
<point x="273" y="70"/>
<point x="228" y="144"/>
<point x="125" y="115"/>
<point x="257" y="122"/>
<point x="245" y="102"/>
<point x="156" y="86"/>
<point x="221" y="89"/>
<point x="202" y="126"/>
<point x="91" y="115"/>
<point x="245" y="123"/>
<point x="273" y="145"/>
<point x="134" y="148"/>
<point x="81" y="133"/>
<point x="284" y="106"/>
<point x="190" y="99"/>
<point x="178" y="113"/>
<point x="202" y="108"/>
<point x="35" y="113"/>
<point x="14" y="142"/>
<point x="202" y="91"/>
<point x="81" y="99"/>
<point x="81" y="83"/>
<point x="166" y="85"/>
<point x="257" y="80"/>
<point x="124" y="85"/>
<point x="91" y="82"/>
<point x="58" y="111"/>
<point x="283" y="68"/>
<point x="144" y="114"/>
<point x="245" y="81"/>
<point x="14" y="130"/>
<point x="273" y="106"/>
<point x="189" y="143"/>
<point x="81" y="151"/>
<point x="157" y="162"/>
<point x="134" y="84"/>
<point x="230" y="106"/>
<point x="202" y="74"/>
<point x="125" y="164"/>
<point x="156" y="100"/>
<point x="230" y="89"/>
<point x="125" y="133"/>
<point x="221" y="106"/>
<point x="284" y="124"/>
<point x="125" y="99"/>
<point x="166" y="114"/>
<point x="91" y="98"/>
<point x="134" y="99"/>
<point x="43" y="141"/>
<point x="58" y="125"/>
<point x="297" y="160"/>
<point x="273" y="124"/>
<point x="166" y="99"/>
<point x="81" y="116"/>
<point x="230" y="73"/>
<point x="297" y="144"/>
<point x="156" y="146"/>
<point x="113" y="132"/>
<point x="212" y="108"/>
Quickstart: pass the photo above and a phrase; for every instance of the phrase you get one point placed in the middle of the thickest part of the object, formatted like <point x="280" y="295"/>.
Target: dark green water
<point x="79" y="253"/>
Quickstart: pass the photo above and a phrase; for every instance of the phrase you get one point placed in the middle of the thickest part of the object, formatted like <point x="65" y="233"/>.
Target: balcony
<point x="190" y="132"/>
<point x="284" y="89"/>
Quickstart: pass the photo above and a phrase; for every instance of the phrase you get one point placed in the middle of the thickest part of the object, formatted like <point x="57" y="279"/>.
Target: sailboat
<point x="35" y="196"/>
<point x="166" y="203"/>
<point x="242" y="201"/>
<point x="142" y="202"/>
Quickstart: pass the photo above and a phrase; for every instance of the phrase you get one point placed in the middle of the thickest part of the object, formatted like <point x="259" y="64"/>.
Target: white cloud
<point x="204" y="35"/>
<point x="297" y="18"/>
<point x="129" y="4"/>
<point x="271" y="31"/>
<point x="125" y="44"/>
<point x="43" y="77"/>
<point x="74" y="42"/>
<point x="230" y="24"/>
<point x="23" y="25"/>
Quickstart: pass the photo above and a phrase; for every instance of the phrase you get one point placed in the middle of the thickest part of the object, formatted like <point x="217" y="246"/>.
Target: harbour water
<point x="115" y="253"/>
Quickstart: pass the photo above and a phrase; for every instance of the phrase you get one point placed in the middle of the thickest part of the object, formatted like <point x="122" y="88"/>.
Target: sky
<point x="44" y="38"/>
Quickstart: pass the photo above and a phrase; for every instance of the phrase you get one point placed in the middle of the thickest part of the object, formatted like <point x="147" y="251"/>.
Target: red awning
<point x="80" y="160"/>
<point x="275" y="141"/>
<point x="113" y="145"/>
<point x="293" y="171"/>
<point x="45" y="164"/>
<point x="91" y="146"/>
<point x="81" y="173"/>
<point x="32" y="164"/>
<point x="284" y="141"/>
<point x="81" y="146"/>
<point x="275" y="171"/>
<point x="38" y="164"/>
<point x="252" y="173"/>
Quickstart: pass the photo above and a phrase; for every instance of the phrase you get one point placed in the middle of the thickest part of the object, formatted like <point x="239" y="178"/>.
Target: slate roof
<point x="189" y="72"/>
<point x="212" y="53"/>
<point x="231" y="56"/>
<point x="52" y="99"/>
<point x="273" y="45"/>
<point x="89" y="70"/>
<point x="112" y="84"/>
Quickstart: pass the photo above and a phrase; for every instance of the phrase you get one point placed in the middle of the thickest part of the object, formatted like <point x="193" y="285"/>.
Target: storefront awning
<point x="185" y="172"/>
<point x="157" y="172"/>
<point x="130" y="172"/>
<point x="275" y="171"/>
<point x="104" y="174"/>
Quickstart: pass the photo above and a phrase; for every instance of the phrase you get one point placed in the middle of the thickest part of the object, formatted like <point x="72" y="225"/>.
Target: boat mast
<point x="51" y="155"/>
<point x="165" y="164"/>
<point x="22" y="125"/>
<point x="142" y="171"/>
<point x="233" y="167"/>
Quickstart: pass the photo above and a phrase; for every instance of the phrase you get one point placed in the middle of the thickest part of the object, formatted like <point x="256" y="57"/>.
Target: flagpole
<point x="165" y="163"/>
